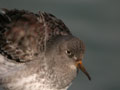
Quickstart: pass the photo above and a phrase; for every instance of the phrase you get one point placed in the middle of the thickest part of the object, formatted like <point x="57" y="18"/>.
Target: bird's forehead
<point x="76" y="46"/>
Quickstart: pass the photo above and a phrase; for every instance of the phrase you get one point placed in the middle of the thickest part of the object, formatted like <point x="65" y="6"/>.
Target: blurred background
<point x="97" y="23"/>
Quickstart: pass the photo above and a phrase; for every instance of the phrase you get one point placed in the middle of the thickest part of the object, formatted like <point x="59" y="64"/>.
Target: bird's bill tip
<point x="80" y="66"/>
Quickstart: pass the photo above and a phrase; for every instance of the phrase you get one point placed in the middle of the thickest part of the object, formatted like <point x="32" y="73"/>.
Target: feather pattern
<point x="22" y="33"/>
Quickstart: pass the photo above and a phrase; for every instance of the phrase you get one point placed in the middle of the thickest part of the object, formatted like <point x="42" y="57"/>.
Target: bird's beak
<point x="80" y="66"/>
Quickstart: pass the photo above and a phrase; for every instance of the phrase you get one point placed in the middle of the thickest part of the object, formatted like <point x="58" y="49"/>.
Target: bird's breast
<point x="29" y="83"/>
<point x="32" y="82"/>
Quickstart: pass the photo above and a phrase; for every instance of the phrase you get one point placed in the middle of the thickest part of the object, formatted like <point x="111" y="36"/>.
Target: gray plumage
<point x="37" y="52"/>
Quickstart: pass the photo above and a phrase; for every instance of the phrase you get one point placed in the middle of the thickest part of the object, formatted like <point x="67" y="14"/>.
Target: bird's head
<point x="71" y="50"/>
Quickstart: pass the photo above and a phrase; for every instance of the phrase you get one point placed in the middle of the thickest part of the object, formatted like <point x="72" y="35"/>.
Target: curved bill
<point x="81" y="67"/>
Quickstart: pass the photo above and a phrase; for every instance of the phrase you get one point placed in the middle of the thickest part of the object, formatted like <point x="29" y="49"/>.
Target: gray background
<point x="97" y="23"/>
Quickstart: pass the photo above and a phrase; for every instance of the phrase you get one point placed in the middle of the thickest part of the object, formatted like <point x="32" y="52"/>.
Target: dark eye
<point x="69" y="53"/>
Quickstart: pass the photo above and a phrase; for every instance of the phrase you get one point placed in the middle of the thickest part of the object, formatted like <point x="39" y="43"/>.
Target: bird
<point x="38" y="52"/>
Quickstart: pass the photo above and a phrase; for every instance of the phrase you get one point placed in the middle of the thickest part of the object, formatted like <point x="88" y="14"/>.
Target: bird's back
<point x="23" y="34"/>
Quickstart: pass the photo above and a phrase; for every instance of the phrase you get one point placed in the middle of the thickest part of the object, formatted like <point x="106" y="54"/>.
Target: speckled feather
<point x="22" y="33"/>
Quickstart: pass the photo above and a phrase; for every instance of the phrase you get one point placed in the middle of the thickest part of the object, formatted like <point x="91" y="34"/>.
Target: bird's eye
<point x="69" y="53"/>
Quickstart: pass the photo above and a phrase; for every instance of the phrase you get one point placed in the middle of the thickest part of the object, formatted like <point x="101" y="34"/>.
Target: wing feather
<point x="23" y="34"/>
